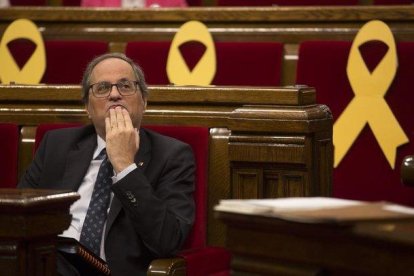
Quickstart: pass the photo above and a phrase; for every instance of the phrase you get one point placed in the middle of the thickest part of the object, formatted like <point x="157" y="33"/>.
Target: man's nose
<point x="114" y="93"/>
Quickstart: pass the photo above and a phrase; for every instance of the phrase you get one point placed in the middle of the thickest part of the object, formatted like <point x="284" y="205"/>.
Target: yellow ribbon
<point x="32" y="72"/>
<point x="204" y="71"/>
<point x="369" y="105"/>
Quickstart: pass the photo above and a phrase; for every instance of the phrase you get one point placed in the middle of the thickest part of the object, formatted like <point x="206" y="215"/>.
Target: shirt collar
<point x="101" y="144"/>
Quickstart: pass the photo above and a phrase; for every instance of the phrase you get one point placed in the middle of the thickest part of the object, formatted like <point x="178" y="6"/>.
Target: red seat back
<point x="28" y="2"/>
<point x="364" y="172"/>
<point x="65" y="60"/>
<point x="9" y="145"/>
<point x="197" y="138"/>
<point x="238" y="63"/>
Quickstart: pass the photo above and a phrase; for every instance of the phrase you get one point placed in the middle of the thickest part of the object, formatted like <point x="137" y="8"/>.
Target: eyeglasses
<point x="103" y="89"/>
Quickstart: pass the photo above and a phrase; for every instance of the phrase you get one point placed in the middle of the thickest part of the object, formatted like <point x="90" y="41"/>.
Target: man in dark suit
<point x="151" y="207"/>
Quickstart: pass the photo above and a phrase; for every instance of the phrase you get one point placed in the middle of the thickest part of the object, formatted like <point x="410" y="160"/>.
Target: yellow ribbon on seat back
<point x="368" y="104"/>
<point x="32" y="72"/>
<point x="205" y="70"/>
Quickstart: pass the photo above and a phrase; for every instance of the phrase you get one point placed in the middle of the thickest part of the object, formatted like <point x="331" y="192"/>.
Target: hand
<point x="122" y="139"/>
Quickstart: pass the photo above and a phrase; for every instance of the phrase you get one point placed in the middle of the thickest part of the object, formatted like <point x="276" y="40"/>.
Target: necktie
<point x="91" y="234"/>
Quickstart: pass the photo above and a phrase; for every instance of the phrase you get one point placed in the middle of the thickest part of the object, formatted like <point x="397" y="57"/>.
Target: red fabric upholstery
<point x="286" y="2"/>
<point x="28" y="2"/>
<point x="66" y="60"/>
<point x="238" y="63"/>
<point x="9" y="134"/>
<point x="197" y="138"/>
<point x="75" y="3"/>
<point x="195" y="2"/>
<point x="393" y="2"/>
<point x="364" y="173"/>
<point x="207" y="261"/>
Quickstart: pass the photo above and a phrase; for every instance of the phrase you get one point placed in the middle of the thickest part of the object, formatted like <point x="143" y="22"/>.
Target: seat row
<point x="320" y="64"/>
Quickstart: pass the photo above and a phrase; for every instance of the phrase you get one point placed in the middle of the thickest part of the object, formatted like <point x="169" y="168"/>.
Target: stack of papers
<point x="318" y="209"/>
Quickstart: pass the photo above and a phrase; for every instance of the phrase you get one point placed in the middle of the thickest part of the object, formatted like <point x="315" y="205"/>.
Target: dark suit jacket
<point x="152" y="210"/>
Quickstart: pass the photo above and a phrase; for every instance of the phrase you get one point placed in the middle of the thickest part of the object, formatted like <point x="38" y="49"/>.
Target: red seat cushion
<point x="364" y="173"/>
<point x="9" y="154"/>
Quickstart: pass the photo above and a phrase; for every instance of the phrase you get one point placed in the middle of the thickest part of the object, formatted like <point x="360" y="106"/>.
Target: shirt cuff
<point x="123" y="173"/>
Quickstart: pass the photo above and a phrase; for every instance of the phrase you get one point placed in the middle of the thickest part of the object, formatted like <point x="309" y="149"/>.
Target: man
<point x="151" y="206"/>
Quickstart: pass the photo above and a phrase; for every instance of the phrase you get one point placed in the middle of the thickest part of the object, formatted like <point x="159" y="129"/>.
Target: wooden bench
<point x="264" y="142"/>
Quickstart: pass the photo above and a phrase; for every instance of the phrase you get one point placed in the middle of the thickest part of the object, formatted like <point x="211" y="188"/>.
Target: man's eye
<point x="103" y="86"/>
<point x="124" y="85"/>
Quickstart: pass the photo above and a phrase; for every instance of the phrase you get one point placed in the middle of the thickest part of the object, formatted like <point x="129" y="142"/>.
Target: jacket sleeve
<point x="162" y="213"/>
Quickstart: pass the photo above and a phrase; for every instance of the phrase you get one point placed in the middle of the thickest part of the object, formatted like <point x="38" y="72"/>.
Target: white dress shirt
<point x="80" y="207"/>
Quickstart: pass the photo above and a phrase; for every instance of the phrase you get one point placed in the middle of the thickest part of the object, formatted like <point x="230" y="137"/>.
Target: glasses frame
<point x="136" y="84"/>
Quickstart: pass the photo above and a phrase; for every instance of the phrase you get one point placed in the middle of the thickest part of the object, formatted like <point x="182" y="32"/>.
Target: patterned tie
<point x="91" y="234"/>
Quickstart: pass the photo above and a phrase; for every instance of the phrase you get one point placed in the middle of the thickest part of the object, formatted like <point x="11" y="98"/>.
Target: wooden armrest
<point x="170" y="266"/>
<point x="407" y="170"/>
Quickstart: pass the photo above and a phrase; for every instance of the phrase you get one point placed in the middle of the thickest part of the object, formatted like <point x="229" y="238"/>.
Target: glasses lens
<point x="101" y="89"/>
<point x="126" y="87"/>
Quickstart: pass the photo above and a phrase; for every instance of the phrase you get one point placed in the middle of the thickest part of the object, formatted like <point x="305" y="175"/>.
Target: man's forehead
<point x="112" y="67"/>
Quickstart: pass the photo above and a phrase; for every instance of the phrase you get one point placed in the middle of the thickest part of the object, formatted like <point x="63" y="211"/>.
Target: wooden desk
<point x="270" y="246"/>
<point x="30" y="220"/>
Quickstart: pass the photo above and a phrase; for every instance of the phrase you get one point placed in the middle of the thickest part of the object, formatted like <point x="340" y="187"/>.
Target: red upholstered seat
<point x="9" y="134"/>
<point x="75" y="3"/>
<point x="200" y="259"/>
<point x="27" y="2"/>
<point x="364" y="172"/>
<point x="393" y="2"/>
<point x="65" y="60"/>
<point x="286" y="2"/>
<point x="238" y="63"/>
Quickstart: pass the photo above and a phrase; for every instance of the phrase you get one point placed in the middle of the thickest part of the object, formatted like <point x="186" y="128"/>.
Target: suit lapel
<point x="142" y="159"/>
<point x="78" y="161"/>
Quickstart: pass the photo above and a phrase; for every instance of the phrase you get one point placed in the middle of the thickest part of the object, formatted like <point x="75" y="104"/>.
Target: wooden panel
<point x="247" y="183"/>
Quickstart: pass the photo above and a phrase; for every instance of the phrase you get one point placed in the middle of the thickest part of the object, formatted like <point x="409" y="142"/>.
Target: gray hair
<point x="139" y="74"/>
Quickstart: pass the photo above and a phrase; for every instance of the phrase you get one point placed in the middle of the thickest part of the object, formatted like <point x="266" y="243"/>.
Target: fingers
<point x="120" y="118"/>
<point x="107" y="124"/>
<point x="127" y="119"/>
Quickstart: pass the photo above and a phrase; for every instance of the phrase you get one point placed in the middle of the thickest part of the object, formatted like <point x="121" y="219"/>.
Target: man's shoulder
<point x="157" y="137"/>
<point x="71" y="131"/>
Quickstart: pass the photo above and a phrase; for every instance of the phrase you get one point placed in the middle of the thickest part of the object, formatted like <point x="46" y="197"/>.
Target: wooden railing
<point x="264" y="142"/>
